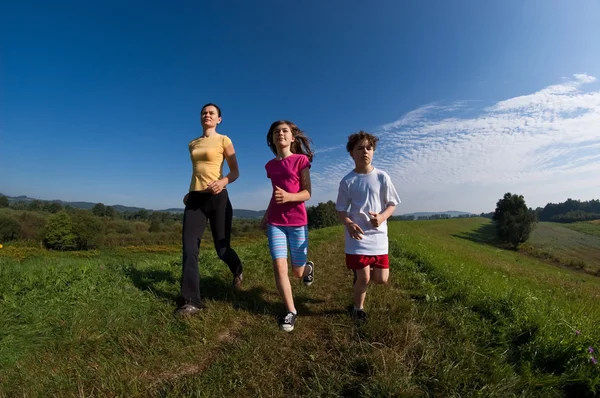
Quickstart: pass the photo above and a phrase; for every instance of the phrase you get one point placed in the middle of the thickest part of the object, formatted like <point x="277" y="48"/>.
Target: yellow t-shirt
<point x="208" y="155"/>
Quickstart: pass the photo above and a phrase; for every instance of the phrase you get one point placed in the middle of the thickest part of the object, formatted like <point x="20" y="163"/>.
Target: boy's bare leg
<point x="282" y="280"/>
<point x="360" y="287"/>
<point x="380" y="275"/>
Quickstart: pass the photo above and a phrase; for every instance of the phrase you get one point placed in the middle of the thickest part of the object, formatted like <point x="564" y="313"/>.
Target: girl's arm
<point x="234" y="171"/>
<point x="282" y="196"/>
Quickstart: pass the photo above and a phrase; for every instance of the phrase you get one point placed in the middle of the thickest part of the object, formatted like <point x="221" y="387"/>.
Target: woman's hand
<point x="216" y="187"/>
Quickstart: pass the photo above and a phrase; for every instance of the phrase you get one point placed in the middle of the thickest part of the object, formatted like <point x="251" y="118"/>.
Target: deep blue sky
<point x="98" y="101"/>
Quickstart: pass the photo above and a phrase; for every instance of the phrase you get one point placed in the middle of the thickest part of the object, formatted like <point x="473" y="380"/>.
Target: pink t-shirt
<point x="286" y="175"/>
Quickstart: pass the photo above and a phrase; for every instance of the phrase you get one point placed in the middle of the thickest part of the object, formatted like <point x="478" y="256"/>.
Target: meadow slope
<point x="460" y="317"/>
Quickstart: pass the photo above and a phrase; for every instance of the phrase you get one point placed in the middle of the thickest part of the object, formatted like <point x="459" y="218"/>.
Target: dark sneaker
<point x="359" y="316"/>
<point x="237" y="281"/>
<point x="189" y="309"/>
<point x="310" y="278"/>
<point x="288" y="322"/>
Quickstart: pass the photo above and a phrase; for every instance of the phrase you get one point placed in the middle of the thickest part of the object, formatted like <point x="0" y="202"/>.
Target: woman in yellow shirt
<point x="208" y="201"/>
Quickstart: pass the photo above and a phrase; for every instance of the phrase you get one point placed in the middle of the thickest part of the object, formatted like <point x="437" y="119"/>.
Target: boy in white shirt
<point x="366" y="199"/>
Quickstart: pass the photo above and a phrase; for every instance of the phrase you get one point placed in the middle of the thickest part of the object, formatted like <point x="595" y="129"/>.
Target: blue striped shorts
<point x="296" y="237"/>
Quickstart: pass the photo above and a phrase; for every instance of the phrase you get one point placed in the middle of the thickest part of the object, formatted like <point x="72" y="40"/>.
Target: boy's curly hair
<point x="355" y="138"/>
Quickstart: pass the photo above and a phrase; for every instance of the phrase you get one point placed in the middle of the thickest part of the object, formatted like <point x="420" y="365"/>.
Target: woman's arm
<point x="234" y="171"/>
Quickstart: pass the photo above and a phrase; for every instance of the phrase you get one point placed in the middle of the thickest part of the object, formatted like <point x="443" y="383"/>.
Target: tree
<point x="35" y="205"/>
<point x="156" y="224"/>
<point x="9" y="228"/>
<point x="323" y="215"/>
<point x="142" y="214"/>
<point x="53" y="207"/>
<point x="99" y="209"/>
<point x="110" y="211"/>
<point x="32" y="225"/>
<point x="20" y="205"/>
<point x="3" y="201"/>
<point x="59" y="232"/>
<point x="89" y="230"/>
<point x="514" y="221"/>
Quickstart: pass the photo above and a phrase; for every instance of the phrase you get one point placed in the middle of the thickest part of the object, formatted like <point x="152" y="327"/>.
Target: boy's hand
<point x="281" y="196"/>
<point x="354" y="230"/>
<point x="376" y="219"/>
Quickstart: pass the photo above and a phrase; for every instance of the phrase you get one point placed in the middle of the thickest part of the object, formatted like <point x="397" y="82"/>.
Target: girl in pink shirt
<point x="285" y="220"/>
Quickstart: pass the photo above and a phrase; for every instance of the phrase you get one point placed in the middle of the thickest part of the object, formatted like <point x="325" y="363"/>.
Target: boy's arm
<point x="391" y="199"/>
<point x="378" y="218"/>
<point x="353" y="229"/>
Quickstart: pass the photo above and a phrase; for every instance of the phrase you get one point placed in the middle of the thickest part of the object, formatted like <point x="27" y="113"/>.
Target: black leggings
<point x="217" y="209"/>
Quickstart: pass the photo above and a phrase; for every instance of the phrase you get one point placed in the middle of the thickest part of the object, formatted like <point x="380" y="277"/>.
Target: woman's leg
<point x="221" y="215"/>
<point x="194" y="223"/>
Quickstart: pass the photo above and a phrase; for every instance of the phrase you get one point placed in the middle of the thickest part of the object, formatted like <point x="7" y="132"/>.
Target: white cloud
<point x="328" y="149"/>
<point x="584" y="78"/>
<point x="544" y="145"/>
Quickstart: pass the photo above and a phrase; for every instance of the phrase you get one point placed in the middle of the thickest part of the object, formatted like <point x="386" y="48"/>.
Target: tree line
<point x="442" y="216"/>
<point x="67" y="228"/>
<point x="58" y="227"/>
<point x="570" y="211"/>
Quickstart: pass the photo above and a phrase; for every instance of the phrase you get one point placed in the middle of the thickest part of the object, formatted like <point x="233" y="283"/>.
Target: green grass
<point x="567" y="244"/>
<point x="586" y="227"/>
<point x="459" y="318"/>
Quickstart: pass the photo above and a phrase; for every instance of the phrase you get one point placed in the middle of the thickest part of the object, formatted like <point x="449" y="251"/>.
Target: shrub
<point x="9" y="228"/>
<point x="60" y="233"/>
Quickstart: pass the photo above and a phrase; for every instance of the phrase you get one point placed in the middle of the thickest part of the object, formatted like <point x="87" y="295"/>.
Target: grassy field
<point x="459" y="318"/>
<point x="576" y="245"/>
<point x="587" y="227"/>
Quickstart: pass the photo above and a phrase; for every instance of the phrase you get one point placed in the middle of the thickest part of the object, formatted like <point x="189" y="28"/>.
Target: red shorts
<point x="360" y="261"/>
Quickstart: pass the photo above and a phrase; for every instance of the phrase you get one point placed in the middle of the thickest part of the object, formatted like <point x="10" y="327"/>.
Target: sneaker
<point x="189" y="309"/>
<point x="237" y="281"/>
<point x="359" y="316"/>
<point x="288" y="322"/>
<point x="310" y="278"/>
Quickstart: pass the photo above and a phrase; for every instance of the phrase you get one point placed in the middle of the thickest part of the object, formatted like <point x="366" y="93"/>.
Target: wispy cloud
<point x="544" y="145"/>
<point x="328" y="149"/>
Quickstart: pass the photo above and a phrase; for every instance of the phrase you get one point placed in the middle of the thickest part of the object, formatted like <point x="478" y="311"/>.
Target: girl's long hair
<point x="301" y="144"/>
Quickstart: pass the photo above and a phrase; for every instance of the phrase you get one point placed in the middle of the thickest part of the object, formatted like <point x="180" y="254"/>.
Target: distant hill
<point x="241" y="213"/>
<point x="451" y="213"/>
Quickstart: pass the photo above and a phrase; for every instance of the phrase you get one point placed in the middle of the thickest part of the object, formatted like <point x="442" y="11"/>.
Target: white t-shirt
<point x="359" y="194"/>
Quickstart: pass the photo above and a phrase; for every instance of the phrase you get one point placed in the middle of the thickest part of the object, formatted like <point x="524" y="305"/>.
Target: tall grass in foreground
<point x="541" y="320"/>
